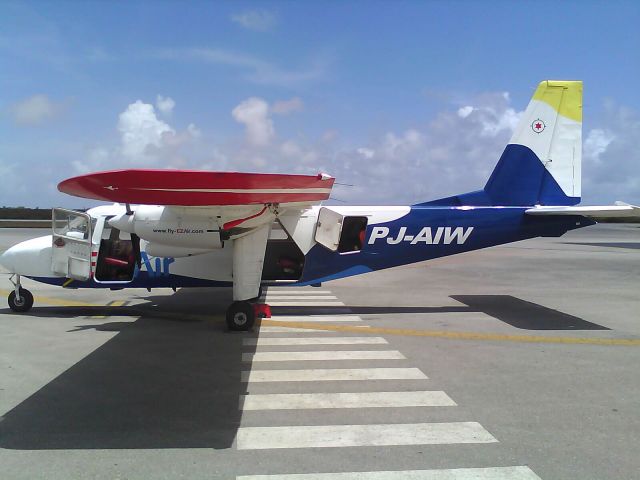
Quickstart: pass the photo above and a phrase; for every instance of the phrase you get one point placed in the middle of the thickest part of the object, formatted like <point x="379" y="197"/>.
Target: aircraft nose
<point x="7" y="260"/>
<point x="31" y="257"/>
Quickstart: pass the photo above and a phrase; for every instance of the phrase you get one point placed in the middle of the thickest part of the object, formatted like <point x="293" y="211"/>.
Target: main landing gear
<point x="241" y="315"/>
<point x="20" y="299"/>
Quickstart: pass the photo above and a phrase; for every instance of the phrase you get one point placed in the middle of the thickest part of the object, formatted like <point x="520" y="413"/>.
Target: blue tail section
<point x="520" y="179"/>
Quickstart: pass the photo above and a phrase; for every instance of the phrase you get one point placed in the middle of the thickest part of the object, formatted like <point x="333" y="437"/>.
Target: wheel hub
<point x="240" y="318"/>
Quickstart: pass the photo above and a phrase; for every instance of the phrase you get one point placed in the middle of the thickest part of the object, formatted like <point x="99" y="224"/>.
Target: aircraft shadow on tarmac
<point x="506" y="308"/>
<point x="168" y="383"/>
<point x="525" y="315"/>
<point x="158" y="383"/>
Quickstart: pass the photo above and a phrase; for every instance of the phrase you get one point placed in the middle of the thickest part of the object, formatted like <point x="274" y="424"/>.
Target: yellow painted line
<point x="67" y="282"/>
<point x="56" y="301"/>
<point x="631" y="342"/>
<point x="135" y="310"/>
<point x="115" y="303"/>
<point x="458" y="335"/>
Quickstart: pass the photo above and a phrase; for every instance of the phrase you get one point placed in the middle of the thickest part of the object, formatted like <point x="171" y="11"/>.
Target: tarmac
<point x="514" y="362"/>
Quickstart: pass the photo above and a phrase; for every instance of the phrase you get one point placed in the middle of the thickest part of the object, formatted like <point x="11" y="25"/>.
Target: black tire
<point x="24" y="304"/>
<point x="240" y="316"/>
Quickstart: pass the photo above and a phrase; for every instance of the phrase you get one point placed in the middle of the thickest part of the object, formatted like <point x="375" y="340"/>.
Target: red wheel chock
<point x="262" y="310"/>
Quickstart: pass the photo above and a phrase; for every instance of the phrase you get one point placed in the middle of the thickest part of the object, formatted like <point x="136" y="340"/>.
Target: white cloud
<point x="300" y="155"/>
<point x="165" y="104"/>
<point x="454" y="153"/>
<point x="145" y="140"/>
<point x="329" y="135"/>
<point x="399" y="144"/>
<point x="285" y="107"/>
<point x="254" y="114"/>
<point x="492" y="112"/>
<point x="193" y="131"/>
<point x="256" y="70"/>
<point x="367" y="153"/>
<point x="611" y="159"/>
<point x="464" y="112"/>
<point x="290" y="148"/>
<point x="97" y="159"/>
<point x="141" y="129"/>
<point x="257" y="20"/>
<point x="596" y="144"/>
<point x="35" y="110"/>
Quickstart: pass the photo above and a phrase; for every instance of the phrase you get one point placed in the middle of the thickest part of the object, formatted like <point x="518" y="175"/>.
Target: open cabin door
<point x="71" y="252"/>
<point x="341" y="233"/>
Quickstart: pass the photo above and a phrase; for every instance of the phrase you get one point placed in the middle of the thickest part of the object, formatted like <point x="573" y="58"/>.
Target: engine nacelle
<point x="160" y="250"/>
<point x="164" y="226"/>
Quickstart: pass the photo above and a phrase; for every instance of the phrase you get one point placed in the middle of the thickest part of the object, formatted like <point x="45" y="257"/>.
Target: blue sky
<point x="367" y="91"/>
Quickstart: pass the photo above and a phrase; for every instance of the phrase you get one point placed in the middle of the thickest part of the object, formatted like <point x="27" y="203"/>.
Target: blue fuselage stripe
<point x="476" y="228"/>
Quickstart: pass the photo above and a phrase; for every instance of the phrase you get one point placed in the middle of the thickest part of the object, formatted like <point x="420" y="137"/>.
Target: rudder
<point x="541" y="165"/>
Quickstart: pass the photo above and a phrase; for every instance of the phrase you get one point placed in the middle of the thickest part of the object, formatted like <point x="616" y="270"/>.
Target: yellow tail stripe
<point x="565" y="97"/>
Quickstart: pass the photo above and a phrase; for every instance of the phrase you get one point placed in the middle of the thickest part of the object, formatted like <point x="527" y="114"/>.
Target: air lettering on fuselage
<point x="428" y="235"/>
<point x="161" y="265"/>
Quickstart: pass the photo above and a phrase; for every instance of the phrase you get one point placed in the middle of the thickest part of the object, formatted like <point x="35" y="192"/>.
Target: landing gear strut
<point x="21" y="299"/>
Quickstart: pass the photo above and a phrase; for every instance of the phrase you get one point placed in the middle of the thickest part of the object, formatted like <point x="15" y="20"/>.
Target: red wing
<point x="198" y="188"/>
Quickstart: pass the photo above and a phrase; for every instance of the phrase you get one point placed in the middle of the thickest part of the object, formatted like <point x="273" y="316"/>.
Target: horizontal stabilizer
<point x="619" y="210"/>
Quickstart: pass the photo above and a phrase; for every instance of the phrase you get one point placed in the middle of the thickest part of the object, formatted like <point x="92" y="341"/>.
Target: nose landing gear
<point x="20" y="299"/>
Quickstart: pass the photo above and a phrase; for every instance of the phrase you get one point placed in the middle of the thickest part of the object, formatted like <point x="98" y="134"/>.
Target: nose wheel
<point x="21" y="302"/>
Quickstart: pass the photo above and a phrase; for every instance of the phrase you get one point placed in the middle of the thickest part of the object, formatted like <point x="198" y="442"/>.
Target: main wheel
<point x="240" y="316"/>
<point x="23" y="304"/>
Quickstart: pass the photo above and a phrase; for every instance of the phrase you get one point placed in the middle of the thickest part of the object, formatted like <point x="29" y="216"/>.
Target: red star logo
<point x="538" y="126"/>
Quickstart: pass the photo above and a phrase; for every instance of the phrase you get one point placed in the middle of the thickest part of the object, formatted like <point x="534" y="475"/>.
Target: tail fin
<point x="541" y="165"/>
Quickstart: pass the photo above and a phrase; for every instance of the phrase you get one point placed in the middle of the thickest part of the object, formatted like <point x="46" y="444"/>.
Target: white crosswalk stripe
<point x="278" y="341"/>
<point x="278" y="329"/>
<point x="297" y="401"/>
<point x="332" y="375"/>
<point x="491" y="473"/>
<point x="322" y="436"/>
<point x="375" y="434"/>
<point x="329" y="355"/>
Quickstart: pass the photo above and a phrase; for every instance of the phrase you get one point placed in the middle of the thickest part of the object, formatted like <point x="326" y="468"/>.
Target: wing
<point x="193" y="188"/>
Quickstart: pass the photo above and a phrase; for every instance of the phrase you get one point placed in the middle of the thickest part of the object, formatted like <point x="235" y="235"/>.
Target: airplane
<point x="184" y="228"/>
